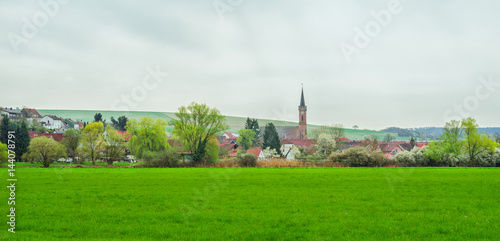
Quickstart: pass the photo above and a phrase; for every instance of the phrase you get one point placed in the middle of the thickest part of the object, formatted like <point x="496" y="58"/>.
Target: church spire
<point x="302" y="116"/>
<point x="302" y="101"/>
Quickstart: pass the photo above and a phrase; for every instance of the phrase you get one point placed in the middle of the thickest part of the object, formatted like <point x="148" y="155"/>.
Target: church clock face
<point x="302" y="112"/>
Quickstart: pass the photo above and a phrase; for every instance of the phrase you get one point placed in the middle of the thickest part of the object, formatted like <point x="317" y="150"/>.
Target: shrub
<point x="247" y="160"/>
<point x="353" y="157"/>
<point x="270" y="153"/>
<point x="487" y="159"/>
<point x="281" y="162"/>
<point x="462" y="160"/>
<point x="381" y="160"/>
<point x="212" y="152"/>
<point x="314" y="158"/>
<point x="406" y="159"/>
<point x="168" y="158"/>
<point x="336" y="157"/>
<point x="421" y="159"/>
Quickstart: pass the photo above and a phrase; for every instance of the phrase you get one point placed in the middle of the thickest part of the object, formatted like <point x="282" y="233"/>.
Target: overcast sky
<point x="249" y="58"/>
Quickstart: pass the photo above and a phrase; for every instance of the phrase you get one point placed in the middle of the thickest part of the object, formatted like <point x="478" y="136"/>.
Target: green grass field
<point x="255" y="204"/>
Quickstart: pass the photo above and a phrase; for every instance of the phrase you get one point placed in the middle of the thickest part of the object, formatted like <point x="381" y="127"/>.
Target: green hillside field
<point x="254" y="204"/>
<point x="235" y="123"/>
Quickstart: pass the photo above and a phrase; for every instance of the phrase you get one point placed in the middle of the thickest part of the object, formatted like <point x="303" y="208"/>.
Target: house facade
<point x="31" y="115"/>
<point x="54" y="122"/>
<point x="13" y="114"/>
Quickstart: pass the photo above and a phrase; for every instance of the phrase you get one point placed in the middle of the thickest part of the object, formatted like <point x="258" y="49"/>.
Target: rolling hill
<point x="235" y="123"/>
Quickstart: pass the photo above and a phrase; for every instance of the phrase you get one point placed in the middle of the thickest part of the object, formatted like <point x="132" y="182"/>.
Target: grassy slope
<point x="235" y="123"/>
<point x="272" y="204"/>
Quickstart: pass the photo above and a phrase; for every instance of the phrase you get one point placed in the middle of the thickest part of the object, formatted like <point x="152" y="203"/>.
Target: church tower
<point x="302" y="117"/>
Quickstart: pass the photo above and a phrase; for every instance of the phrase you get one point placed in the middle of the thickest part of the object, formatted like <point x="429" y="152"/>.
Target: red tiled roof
<point x="174" y="143"/>
<point x="33" y="113"/>
<point x="299" y="142"/>
<point x="343" y="140"/>
<point x="231" y="135"/>
<point x="389" y="147"/>
<point x="255" y="151"/>
<point x="125" y="135"/>
<point x="421" y="144"/>
<point x="233" y="153"/>
<point x="56" y="136"/>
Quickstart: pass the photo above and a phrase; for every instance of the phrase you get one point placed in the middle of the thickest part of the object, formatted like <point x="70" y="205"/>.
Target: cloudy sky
<point x="373" y="63"/>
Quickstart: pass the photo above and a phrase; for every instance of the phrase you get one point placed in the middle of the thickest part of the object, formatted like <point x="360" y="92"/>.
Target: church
<point x="302" y="117"/>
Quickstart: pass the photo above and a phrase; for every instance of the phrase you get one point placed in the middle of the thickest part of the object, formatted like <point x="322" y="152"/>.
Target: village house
<point x="13" y="114"/>
<point x="392" y="148"/>
<point x="256" y="151"/>
<point x="31" y="115"/>
<point x="55" y="123"/>
<point x="74" y="124"/>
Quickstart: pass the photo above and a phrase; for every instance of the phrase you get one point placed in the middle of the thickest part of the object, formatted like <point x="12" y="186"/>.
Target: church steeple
<point x="302" y="116"/>
<point x="302" y="101"/>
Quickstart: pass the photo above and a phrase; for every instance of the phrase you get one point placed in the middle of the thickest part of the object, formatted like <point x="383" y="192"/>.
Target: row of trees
<point x="92" y="143"/>
<point x="196" y="129"/>
<point x="461" y="144"/>
<point x="119" y="124"/>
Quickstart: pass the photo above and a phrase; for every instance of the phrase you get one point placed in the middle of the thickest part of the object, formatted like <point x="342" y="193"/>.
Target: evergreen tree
<point x="22" y="140"/>
<point x="253" y="124"/>
<point x="248" y="123"/>
<point x="255" y="127"/>
<point x="272" y="139"/>
<point x="122" y="122"/>
<point x="98" y="117"/>
<point x="413" y="142"/>
<point x="4" y="129"/>
<point x="114" y="123"/>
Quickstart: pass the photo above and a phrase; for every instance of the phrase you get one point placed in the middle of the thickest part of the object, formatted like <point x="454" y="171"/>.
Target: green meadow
<point x="255" y="204"/>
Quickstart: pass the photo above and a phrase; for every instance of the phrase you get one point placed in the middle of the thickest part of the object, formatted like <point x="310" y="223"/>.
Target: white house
<point x="256" y="151"/>
<point x="54" y="122"/>
<point x="287" y="150"/>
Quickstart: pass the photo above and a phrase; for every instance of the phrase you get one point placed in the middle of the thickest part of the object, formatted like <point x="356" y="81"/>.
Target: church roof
<point x="302" y="101"/>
